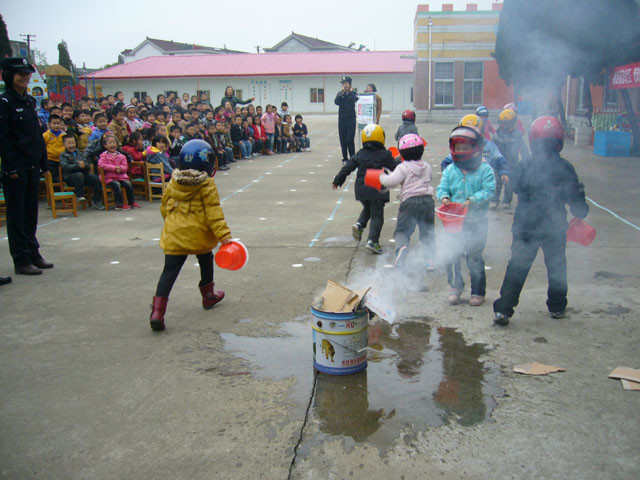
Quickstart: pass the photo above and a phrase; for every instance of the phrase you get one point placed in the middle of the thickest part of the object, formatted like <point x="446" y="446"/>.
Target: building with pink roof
<point x="308" y="81"/>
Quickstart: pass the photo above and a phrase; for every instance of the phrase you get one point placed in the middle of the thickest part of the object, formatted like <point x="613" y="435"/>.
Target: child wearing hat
<point x="193" y="225"/>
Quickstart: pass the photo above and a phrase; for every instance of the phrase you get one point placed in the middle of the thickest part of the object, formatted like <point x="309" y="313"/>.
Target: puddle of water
<point x="418" y="376"/>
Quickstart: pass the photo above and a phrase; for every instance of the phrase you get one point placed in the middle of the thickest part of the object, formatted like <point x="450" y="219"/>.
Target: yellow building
<point x="463" y="72"/>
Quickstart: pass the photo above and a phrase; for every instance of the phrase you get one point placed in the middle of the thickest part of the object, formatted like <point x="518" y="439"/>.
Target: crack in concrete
<point x="304" y="424"/>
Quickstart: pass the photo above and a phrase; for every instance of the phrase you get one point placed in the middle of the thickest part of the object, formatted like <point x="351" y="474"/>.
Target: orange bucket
<point x="232" y="256"/>
<point x="580" y="232"/>
<point x="372" y="178"/>
<point x="452" y="216"/>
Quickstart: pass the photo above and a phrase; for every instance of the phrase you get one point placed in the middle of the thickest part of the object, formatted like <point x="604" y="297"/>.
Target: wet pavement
<point x="418" y="376"/>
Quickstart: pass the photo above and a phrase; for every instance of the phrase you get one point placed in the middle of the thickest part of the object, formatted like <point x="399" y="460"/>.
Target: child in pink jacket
<point x="115" y="168"/>
<point x="416" y="197"/>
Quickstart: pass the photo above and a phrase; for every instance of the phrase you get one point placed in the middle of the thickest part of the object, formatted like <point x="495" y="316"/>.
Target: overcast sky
<point x="96" y="31"/>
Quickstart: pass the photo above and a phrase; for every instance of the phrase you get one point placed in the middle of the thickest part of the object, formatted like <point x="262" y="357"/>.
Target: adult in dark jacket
<point x="346" y="100"/>
<point x="544" y="185"/>
<point x="230" y="96"/>
<point x="372" y="155"/>
<point x="24" y="155"/>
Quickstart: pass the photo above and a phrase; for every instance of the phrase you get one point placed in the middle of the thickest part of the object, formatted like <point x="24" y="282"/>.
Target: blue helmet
<point x="196" y="155"/>
<point x="482" y="111"/>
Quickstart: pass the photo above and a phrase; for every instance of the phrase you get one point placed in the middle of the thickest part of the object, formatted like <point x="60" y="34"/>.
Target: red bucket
<point x="372" y="178"/>
<point x="232" y="256"/>
<point x="580" y="232"/>
<point x="452" y="216"/>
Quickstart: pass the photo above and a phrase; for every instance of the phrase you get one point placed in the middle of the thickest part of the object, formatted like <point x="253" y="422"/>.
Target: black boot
<point x="28" y="270"/>
<point x="41" y="262"/>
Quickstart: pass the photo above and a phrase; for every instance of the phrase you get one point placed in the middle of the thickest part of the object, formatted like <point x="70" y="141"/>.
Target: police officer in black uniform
<point x="346" y="100"/>
<point x="24" y="155"/>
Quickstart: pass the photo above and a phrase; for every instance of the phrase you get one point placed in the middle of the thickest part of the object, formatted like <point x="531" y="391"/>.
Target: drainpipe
<point x="430" y="58"/>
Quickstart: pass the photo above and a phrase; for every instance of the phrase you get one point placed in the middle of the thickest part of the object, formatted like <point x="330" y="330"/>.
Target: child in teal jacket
<point x="469" y="181"/>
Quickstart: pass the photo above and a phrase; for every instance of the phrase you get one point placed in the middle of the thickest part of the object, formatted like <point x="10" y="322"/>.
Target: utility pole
<point x="28" y="37"/>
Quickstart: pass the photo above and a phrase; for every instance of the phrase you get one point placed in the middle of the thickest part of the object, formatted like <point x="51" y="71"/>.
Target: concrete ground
<point x="88" y="391"/>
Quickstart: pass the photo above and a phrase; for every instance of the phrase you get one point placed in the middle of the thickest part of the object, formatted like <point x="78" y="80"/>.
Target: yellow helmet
<point x="471" y="120"/>
<point x="507" y="115"/>
<point x="372" y="133"/>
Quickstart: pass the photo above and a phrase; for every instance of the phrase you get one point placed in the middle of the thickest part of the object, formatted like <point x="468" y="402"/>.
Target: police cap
<point x="17" y="64"/>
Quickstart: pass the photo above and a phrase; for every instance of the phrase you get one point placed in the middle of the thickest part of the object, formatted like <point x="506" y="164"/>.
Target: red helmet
<point x="549" y="130"/>
<point x="409" y="115"/>
<point x="467" y="135"/>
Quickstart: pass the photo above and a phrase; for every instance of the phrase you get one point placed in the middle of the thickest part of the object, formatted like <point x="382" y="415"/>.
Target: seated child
<point x="175" y="132"/>
<point x="372" y="155"/>
<point x="114" y="164"/>
<point x="238" y="137"/>
<point x="118" y="126"/>
<point x="157" y="153"/>
<point x="278" y="137"/>
<point x="193" y="225"/>
<point x="289" y="139"/>
<point x="224" y="152"/>
<point x="408" y="124"/>
<point x="416" y="197"/>
<point x="248" y="133"/>
<point x="302" y="135"/>
<point x="83" y="128"/>
<point x="94" y="148"/>
<point x="133" y="150"/>
<point x="53" y="142"/>
<point x="76" y="172"/>
<point x="259" y="135"/>
<point x="470" y="181"/>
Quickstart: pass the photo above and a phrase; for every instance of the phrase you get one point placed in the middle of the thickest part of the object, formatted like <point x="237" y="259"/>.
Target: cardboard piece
<point x="340" y="299"/>
<point x="629" y="385"/>
<point x="626" y="373"/>
<point x="535" y="368"/>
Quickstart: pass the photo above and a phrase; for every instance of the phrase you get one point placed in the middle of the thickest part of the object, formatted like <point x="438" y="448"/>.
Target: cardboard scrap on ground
<point x="630" y="377"/>
<point x="535" y="368"/>
<point x="340" y="299"/>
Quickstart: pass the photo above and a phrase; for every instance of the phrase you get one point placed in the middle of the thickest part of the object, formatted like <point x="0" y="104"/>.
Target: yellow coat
<point x="54" y="144"/>
<point x="193" y="218"/>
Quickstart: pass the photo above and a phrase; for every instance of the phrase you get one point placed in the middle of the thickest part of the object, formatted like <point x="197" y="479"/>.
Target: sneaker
<point x="454" y="296"/>
<point x="476" y="300"/>
<point x="401" y="254"/>
<point x="98" y="206"/>
<point x="223" y="167"/>
<point x="557" y="315"/>
<point x="356" y="231"/>
<point x="374" y="247"/>
<point x="82" y="199"/>
<point x="136" y="205"/>
<point x="125" y="207"/>
<point x="501" y="319"/>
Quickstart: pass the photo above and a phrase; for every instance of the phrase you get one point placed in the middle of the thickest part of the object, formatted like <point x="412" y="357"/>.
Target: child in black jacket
<point x="372" y="155"/>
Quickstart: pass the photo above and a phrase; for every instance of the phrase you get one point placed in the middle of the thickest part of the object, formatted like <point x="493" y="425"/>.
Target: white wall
<point x="149" y="50"/>
<point x="395" y="90"/>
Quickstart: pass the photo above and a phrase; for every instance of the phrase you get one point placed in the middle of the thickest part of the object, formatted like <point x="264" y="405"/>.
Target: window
<point x="443" y="76"/>
<point x="317" y="95"/>
<point x="140" y="95"/>
<point x="473" y="83"/>
<point x="411" y="95"/>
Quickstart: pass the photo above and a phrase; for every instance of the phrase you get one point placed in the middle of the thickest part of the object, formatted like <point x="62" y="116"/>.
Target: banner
<point x="366" y="108"/>
<point x="625" y="76"/>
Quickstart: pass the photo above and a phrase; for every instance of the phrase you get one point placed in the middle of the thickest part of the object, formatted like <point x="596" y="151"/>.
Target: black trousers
<point x="347" y="132"/>
<point x="469" y="243"/>
<point x="21" y="197"/>
<point x="372" y="210"/>
<point x="117" y="186"/>
<point x="415" y="212"/>
<point x="79" y="180"/>
<point x="523" y="252"/>
<point x="172" y="266"/>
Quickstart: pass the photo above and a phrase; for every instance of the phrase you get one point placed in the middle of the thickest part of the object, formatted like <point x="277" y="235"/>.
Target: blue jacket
<point x="97" y="134"/>
<point x="491" y="154"/>
<point x="478" y="186"/>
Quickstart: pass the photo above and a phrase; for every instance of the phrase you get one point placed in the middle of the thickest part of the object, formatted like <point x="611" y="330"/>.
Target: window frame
<point x="319" y="92"/>
<point x="474" y="81"/>
<point x="449" y="81"/>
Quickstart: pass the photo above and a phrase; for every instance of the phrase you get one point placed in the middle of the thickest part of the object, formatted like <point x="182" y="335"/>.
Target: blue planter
<point x="612" y="144"/>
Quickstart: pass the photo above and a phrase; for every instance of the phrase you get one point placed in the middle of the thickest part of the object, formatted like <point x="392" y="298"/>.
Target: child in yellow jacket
<point x="193" y="225"/>
<point x="55" y="145"/>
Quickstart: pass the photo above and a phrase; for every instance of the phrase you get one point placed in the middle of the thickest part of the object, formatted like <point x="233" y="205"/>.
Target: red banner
<point x="625" y="76"/>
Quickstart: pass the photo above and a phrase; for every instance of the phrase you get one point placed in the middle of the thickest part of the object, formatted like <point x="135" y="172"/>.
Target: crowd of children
<point x="480" y="162"/>
<point x="110" y="134"/>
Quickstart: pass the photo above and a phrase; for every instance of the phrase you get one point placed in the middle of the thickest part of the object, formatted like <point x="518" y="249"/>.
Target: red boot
<point x="158" y="308"/>
<point x="210" y="296"/>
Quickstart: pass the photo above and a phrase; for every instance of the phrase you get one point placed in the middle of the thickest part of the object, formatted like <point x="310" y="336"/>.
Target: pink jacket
<point x="415" y="177"/>
<point x="109" y="162"/>
<point x="268" y="121"/>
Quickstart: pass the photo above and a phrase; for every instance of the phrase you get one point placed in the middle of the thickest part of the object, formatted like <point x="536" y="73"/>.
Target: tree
<point x="64" y="58"/>
<point x="5" y="44"/>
